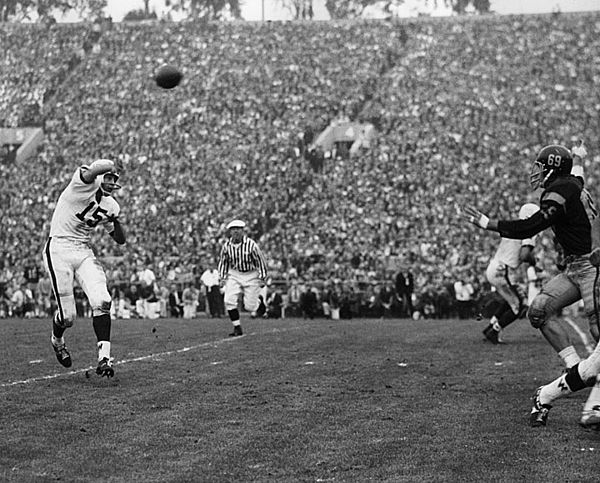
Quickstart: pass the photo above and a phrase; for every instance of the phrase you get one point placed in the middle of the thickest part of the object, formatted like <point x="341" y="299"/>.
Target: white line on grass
<point x="126" y="361"/>
<point x="584" y="338"/>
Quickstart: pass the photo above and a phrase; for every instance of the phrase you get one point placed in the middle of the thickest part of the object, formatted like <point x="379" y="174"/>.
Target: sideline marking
<point x="126" y="361"/>
<point x="589" y="346"/>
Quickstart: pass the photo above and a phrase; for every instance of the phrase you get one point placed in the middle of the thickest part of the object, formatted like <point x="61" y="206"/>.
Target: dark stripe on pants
<point x="53" y="279"/>
<point x="513" y="287"/>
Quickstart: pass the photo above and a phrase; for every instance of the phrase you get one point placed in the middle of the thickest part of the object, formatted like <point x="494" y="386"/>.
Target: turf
<point x="292" y="400"/>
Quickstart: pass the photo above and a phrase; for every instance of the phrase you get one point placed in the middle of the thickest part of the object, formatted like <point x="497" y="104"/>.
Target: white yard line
<point x="587" y="341"/>
<point x="142" y="358"/>
<point x="125" y="361"/>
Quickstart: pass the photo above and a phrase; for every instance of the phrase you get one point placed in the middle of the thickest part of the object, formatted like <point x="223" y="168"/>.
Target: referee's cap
<point x="236" y="224"/>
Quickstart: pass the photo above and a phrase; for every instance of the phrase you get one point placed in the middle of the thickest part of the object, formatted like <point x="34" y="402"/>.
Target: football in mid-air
<point x="168" y="77"/>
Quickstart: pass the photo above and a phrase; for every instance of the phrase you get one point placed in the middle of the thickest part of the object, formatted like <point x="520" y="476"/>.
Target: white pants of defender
<point x="503" y="279"/>
<point x="238" y="283"/>
<point x="67" y="261"/>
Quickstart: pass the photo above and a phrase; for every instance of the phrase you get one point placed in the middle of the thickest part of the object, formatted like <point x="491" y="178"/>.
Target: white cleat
<point x="590" y="418"/>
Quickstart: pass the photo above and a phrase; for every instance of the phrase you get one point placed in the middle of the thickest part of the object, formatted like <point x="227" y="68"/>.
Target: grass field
<point x="292" y="400"/>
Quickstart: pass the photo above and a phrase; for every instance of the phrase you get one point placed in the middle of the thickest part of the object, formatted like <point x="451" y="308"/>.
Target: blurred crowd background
<point x="460" y="106"/>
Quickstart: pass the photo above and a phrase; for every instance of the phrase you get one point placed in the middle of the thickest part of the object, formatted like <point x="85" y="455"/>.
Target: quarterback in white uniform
<point x="501" y="273"/>
<point x="84" y="204"/>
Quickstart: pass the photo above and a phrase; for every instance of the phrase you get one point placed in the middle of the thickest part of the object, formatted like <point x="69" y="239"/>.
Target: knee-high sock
<point x="234" y="316"/>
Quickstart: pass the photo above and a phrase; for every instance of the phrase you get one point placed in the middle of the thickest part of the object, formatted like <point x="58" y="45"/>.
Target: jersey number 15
<point x="95" y="217"/>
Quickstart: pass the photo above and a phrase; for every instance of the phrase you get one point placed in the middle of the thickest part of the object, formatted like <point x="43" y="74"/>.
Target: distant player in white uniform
<point x="84" y="204"/>
<point x="501" y="273"/>
<point x="242" y="270"/>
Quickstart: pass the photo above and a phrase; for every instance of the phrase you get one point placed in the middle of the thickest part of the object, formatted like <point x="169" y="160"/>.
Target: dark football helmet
<point x="552" y="161"/>
<point x="109" y="183"/>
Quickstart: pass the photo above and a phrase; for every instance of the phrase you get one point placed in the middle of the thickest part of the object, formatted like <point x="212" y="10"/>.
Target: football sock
<point x="57" y="341"/>
<point x="101" y="325"/>
<point x="569" y="356"/>
<point x="507" y="318"/>
<point x="234" y="316"/>
<point x="554" y="390"/>
<point x="103" y="349"/>
<point x="567" y="383"/>
<point x="503" y="307"/>
<point x="57" y="331"/>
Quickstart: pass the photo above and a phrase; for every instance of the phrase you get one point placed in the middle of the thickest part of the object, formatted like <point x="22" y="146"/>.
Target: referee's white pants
<point x="246" y="283"/>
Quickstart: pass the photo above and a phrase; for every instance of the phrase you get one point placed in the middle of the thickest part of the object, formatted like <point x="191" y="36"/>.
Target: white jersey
<point x="508" y="251"/>
<point x="80" y="208"/>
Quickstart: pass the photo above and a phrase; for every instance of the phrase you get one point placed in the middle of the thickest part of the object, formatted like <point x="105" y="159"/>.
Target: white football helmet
<point x="109" y="183"/>
<point x="527" y="210"/>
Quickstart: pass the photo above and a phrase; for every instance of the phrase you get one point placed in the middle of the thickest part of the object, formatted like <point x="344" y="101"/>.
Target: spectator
<point x="274" y="304"/>
<point x="18" y="301"/>
<point x="131" y="298"/>
<point x="464" y="292"/>
<point x="384" y="301"/>
<point x="294" y="299"/>
<point x="189" y="298"/>
<point x="404" y="285"/>
<point x="147" y="303"/>
<point x="308" y="303"/>
<point x="214" y="297"/>
<point x="175" y="302"/>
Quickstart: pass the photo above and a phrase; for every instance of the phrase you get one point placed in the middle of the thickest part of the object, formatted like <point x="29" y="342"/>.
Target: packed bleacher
<point x="461" y="105"/>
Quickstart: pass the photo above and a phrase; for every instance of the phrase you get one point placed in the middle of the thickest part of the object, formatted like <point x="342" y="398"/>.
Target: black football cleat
<point x="105" y="368"/>
<point x="237" y="331"/>
<point x="62" y="355"/>
<point x="539" y="411"/>
<point x="492" y="335"/>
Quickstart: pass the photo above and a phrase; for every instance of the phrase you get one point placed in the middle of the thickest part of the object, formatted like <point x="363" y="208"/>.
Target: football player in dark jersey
<point x="568" y="208"/>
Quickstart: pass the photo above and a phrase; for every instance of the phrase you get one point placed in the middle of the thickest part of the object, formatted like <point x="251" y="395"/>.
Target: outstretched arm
<point x="98" y="167"/>
<point x="473" y="215"/>
<point x="579" y="152"/>
<point x="518" y="229"/>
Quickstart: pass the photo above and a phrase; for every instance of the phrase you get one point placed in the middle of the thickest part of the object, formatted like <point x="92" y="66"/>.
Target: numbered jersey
<point x="81" y="208"/>
<point x="573" y="212"/>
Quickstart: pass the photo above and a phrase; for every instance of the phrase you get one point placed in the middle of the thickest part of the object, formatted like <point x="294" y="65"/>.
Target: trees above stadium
<point x="348" y="9"/>
<point x="89" y="10"/>
<point x="20" y="10"/>
<point x="206" y="9"/>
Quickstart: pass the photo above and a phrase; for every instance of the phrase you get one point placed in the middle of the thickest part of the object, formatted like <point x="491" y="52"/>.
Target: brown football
<point x="168" y="77"/>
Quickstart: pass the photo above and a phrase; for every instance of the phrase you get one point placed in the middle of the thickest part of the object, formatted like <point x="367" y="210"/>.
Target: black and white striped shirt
<point x="244" y="257"/>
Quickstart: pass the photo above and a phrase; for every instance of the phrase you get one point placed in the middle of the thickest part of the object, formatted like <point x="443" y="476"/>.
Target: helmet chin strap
<point x="106" y="192"/>
<point x="546" y="178"/>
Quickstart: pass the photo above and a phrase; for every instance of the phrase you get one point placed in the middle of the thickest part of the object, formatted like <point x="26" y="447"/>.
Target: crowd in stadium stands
<point x="461" y="106"/>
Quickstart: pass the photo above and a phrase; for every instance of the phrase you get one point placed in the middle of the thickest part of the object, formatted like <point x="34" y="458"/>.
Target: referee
<point x="242" y="270"/>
